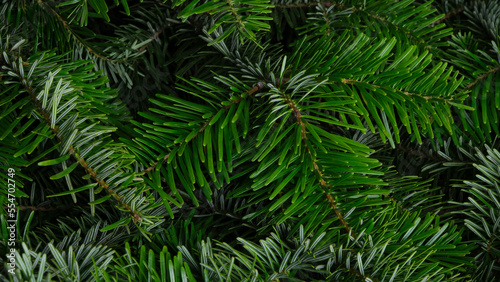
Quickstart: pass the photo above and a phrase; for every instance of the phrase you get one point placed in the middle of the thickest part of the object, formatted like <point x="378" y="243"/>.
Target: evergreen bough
<point x="251" y="140"/>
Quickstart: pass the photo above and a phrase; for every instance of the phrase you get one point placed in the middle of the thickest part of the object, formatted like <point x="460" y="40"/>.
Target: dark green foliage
<point x="250" y="140"/>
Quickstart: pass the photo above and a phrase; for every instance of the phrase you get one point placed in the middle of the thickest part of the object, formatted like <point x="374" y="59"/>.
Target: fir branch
<point x="324" y="185"/>
<point x="135" y="216"/>
<point x="257" y="87"/>
<point x="47" y="119"/>
<point x="407" y="32"/>
<point x="75" y="36"/>
<point x="341" y="6"/>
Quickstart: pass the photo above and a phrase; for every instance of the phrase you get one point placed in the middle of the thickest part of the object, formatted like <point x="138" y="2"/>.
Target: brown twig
<point x="241" y="24"/>
<point x="358" y="274"/>
<point x="297" y="114"/>
<point x="155" y="36"/>
<point x="352" y="82"/>
<point x="448" y="15"/>
<point x="483" y="76"/>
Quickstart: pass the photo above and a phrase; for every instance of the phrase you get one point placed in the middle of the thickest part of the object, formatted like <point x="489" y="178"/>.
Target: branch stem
<point x="324" y="185"/>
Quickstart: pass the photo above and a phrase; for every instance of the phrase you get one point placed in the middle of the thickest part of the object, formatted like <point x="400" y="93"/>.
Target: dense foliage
<point x="251" y="140"/>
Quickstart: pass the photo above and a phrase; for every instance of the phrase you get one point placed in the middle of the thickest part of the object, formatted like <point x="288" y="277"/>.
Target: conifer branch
<point x="257" y="87"/>
<point x="324" y="185"/>
<point x="47" y="118"/>
<point x="75" y="36"/>
<point x="340" y="6"/>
